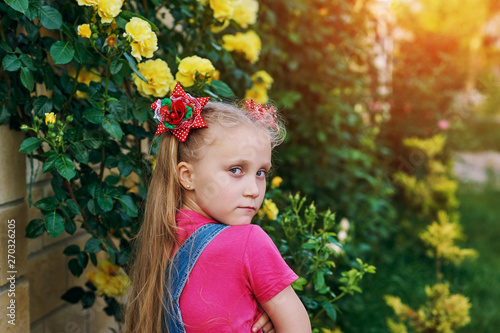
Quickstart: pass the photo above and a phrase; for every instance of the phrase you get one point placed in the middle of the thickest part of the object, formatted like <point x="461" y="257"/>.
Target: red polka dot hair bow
<point x="179" y="113"/>
<point x="263" y="114"/>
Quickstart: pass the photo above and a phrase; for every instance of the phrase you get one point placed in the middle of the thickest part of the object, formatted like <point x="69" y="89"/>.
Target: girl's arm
<point x="287" y="312"/>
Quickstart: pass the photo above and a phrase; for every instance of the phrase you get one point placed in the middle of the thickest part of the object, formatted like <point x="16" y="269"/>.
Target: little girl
<point x="200" y="266"/>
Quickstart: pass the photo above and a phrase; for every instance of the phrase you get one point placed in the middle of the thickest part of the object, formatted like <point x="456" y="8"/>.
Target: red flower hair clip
<point x="260" y="113"/>
<point x="179" y="113"/>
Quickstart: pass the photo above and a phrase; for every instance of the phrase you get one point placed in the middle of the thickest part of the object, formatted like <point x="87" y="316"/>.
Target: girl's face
<point x="228" y="182"/>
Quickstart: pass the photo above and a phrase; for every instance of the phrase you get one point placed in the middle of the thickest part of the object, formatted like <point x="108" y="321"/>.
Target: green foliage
<point x="75" y="96"/>
<point x="307" y="240"/>
<point x="318" y="53"/>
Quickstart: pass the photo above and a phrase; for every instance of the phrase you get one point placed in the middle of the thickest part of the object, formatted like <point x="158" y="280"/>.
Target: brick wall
<point x="41" y="269"/>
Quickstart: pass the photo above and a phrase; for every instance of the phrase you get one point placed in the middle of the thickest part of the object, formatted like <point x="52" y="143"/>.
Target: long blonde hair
<point x="157" y="237"/>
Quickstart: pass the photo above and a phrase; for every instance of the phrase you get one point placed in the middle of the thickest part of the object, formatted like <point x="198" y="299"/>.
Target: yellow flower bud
<point x="270" y="209"/>
<point x="111" y="41"/>
<point x="276" y="182"/>
<point x="50" y="118"/>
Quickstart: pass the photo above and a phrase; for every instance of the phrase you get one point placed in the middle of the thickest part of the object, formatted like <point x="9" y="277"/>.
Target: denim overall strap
<point x="183" y="262"/>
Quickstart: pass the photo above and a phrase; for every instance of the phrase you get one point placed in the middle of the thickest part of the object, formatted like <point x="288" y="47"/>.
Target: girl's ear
<point x="185" y="174"/>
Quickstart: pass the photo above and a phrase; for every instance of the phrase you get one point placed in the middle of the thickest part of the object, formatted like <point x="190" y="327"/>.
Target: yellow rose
<point x="86" y="77"/>
<point x="50" y="118"/>
<point x="258" y="94"/>
<point x="245" y="12"/>
<point x="159" y="76"/>
<point x="262" y="79"/>
<point x="88" y="2"/>
<point x="216" y="75"/>
<point x="109" y="9"/>
<point x="108" y="280"/>
<point x="192" y="68"/>
<point x="223" y="9"/>
<point x="218" y="28"/>
<point x="276" y="182"/>
<point x="117" y="285"/>
<point x="84" y="31"/>
<point x="144" y="40"/>
<point x="270" y="209"/>
<point x="247" y="43"/>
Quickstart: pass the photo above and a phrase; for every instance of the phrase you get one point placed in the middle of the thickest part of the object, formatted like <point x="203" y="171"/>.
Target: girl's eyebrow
<point x="245" y="162"/>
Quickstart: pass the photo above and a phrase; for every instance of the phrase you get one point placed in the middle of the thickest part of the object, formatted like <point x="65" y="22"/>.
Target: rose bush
<point x="94" y="91"/>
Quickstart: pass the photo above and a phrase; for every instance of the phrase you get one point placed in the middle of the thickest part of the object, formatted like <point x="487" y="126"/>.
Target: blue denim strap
<point x="183" y="262"/>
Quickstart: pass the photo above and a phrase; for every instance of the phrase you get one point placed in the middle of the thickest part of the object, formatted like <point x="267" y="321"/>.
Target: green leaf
<point x="6" y="47"/>
<point x="19" y="5"/>
<point x="35" y="228"/>
<point x="30" y="144"/>
<point x="75" y="268"/>
<point x="49" y="163"/>
<point x="81" y="153"/>
<point x="42" y="106"/>
<point x="70" y="226"/>
<point x="49" y="203"/>
<point x="95" y="116"/>
<point x="62" y="52"/>
<point x="73" y="295"/>
<point x="82" y="55"/>
<point x="319" y="280"/>
<point x="105" y="202"/>
<point x="28" y="62"/>
<point x="65" y="166"/>
<point x="88" y="299"/>
<point x="116" y="66"/>
<point x="72" y="250"/>
<point x="126" y="15"/>
<point x="50" y="17"/>
<point x="113" y="128"/>
<point x="93" y="258"/>
<point x="54" y="224"/>
<point x="222" y="88"/>
<point x="299" y="283"/>
<point x="128" y="205"/>
<point x="330" y="310"/>
<point x="27" y="78"/>
<point x="94" y="140"/>
<point x="93" y="245"/>
<point x="83" y="259"/>
<point x="91" y="206"/>
<point x="11" y="63"/>
<point x="133" y="66"/>
<point x="308" y="246"/>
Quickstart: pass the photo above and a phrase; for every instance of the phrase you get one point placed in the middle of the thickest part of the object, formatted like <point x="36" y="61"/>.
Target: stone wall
<point x="40" y="275"/>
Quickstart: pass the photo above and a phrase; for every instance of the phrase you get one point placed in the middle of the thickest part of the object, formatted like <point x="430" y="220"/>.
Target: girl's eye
<point x="236" y="171"/>
<point x="261" y="173"/>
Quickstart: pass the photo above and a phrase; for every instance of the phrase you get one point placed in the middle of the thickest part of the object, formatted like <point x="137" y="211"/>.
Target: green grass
<point x="480" y="280"/>
<point x="407" y="273"/>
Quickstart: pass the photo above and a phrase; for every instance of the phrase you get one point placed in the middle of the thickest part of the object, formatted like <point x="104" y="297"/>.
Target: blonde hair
<point x="157" y="237"/>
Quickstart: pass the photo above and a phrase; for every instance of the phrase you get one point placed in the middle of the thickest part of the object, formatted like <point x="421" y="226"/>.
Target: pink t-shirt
<point x="240" y="268"/>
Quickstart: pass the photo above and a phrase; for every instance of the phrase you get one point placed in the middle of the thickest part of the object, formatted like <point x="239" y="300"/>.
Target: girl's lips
<point x="248" y="207"/>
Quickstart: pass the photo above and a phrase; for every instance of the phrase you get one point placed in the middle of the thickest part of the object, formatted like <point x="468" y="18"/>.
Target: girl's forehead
<point x="243" y="141"/>
<point x="243" y="134"/>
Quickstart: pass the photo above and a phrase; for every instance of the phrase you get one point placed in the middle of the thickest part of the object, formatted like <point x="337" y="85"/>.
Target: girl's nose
<point x="251" y="188"/>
